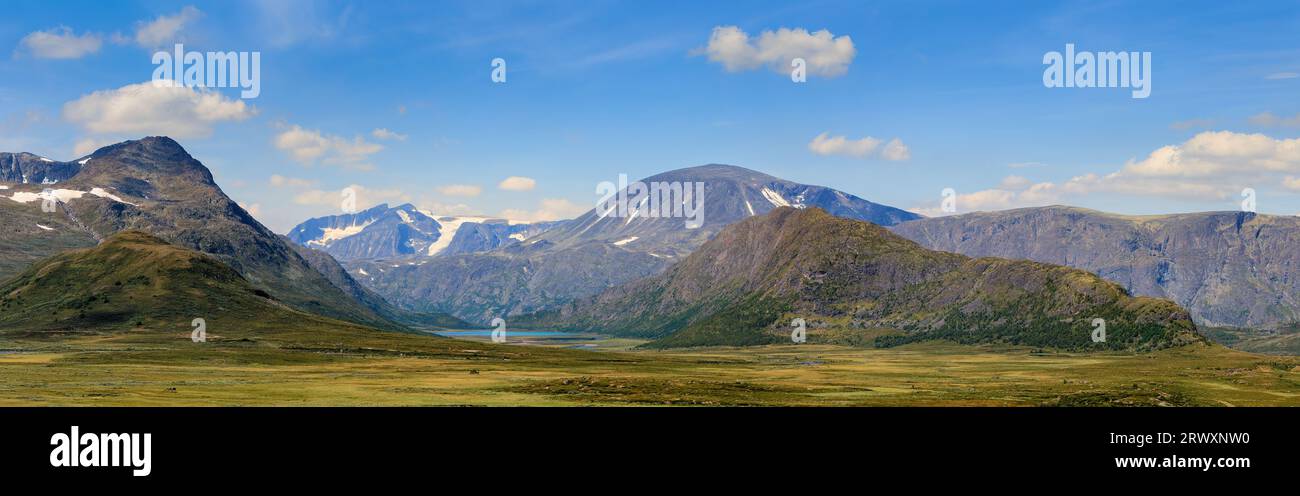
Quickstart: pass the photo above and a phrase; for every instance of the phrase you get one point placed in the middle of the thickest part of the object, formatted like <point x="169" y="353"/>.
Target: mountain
<point x="405" y="231"/>
<point x="330" y="268"/>
<point x="844" y="276"/>
<point x="153" y="185"/>
<point x="26" y="168"/>
<point x="1236" y="269"/>
<point x="584" y="256"/>
<point x="138" y="282"/>
<point x="28" y="234"/>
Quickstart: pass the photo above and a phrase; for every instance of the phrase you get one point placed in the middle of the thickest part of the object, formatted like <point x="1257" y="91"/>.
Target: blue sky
<point x="595" y="89"/>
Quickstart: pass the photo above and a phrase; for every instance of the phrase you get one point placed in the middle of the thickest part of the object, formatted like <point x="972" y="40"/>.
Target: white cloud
<point x="468" y="190"/>
<point x="825" y="54"/>
<point x="1212" y="166"/>
<point x="1282" y="75"/>
<point x="165" y="30"/>
<point x="155" y="107"/>
<point x="867" y="147"/>
<point x="1217" y="155"/>
<point x="60" y="43"/>
<point x="1015" y="182"/>
<point x="87" y="146"/>
<point x="550" y="209"/>
<point x="517" y="183"/>
<point x="895" y="150"/>
<point x="1291" y="182"/>
<point x="309" y="146"/>
<point x="1013" y="192"/>
<point x="839" y="145"/>
<point x="366" y="197"/>
<point x="1267" y="119"/>
<point x="291" y="182"/>
<point x="385" y="134"/>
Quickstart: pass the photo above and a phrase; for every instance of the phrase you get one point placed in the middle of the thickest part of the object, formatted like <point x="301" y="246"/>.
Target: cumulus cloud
<point x="155" y="107"/>
<point x="290" y="182"/>
<point x="1013" y="192"/>
<point x="165" y="29"/>
<point x="366" y="197"/>
<point x="550" y="209"/>
<point x="460" y="190"/>
<point x="895" y="150"/>
<point x="60" y="43"/>
<point x="386" y="135"/>
<point x="517" y="183"/>
<point x="1267" y="119"/>
<point x="825" y="54"/>
<point x="309" y="146"/>
<point x="1212" y="166"/>
<point x="868" y="147"/>
<point x="87" y="146"/>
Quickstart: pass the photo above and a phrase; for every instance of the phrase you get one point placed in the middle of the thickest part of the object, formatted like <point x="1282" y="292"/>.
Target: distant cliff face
<point x="26" y="168"/>
<point x="1227" y="268"/>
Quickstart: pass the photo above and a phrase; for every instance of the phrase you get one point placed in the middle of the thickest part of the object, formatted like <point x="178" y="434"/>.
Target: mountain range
<point x="405" y="231"/>
<point x="747" y="284"/>
<point x="152" y="185"/>
<point x="582" y="257"/>
<point x="1238" y="269"/>
<point x="767" y="250"/>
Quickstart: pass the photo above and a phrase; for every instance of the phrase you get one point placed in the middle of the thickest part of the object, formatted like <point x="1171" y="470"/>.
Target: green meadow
<point x="333" y="366"/>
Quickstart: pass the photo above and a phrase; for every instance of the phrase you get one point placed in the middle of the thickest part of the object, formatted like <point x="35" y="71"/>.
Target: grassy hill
<point x="847" y="277"/>
<point x="136" y="282"/>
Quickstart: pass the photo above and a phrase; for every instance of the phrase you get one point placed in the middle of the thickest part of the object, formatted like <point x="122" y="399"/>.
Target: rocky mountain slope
<point x="748" y="283"/>
<point x="27" y="168"/>
<point x="153" y="185"/>
<point x="582" y="257"/>
<point x="1227" y="268"/>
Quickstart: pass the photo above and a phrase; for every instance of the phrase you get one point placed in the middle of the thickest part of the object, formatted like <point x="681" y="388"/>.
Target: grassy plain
<point x="322" y="366"/>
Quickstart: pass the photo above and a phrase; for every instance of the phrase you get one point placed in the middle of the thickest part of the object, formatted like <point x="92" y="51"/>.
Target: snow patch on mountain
<point x="337" y="233"/>
<point x="449" y="227"/>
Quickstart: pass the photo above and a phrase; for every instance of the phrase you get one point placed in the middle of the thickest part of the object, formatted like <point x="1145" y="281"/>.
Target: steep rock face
<point x="1227" y="268"/>
<point x="741" y="287"/>
<point x="26" y="168"/>
<point x="153" y="185"/>
<point x="580" y="258"/>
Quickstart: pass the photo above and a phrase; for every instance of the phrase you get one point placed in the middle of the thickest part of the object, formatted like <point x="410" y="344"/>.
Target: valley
<point x="319" y="365"/>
